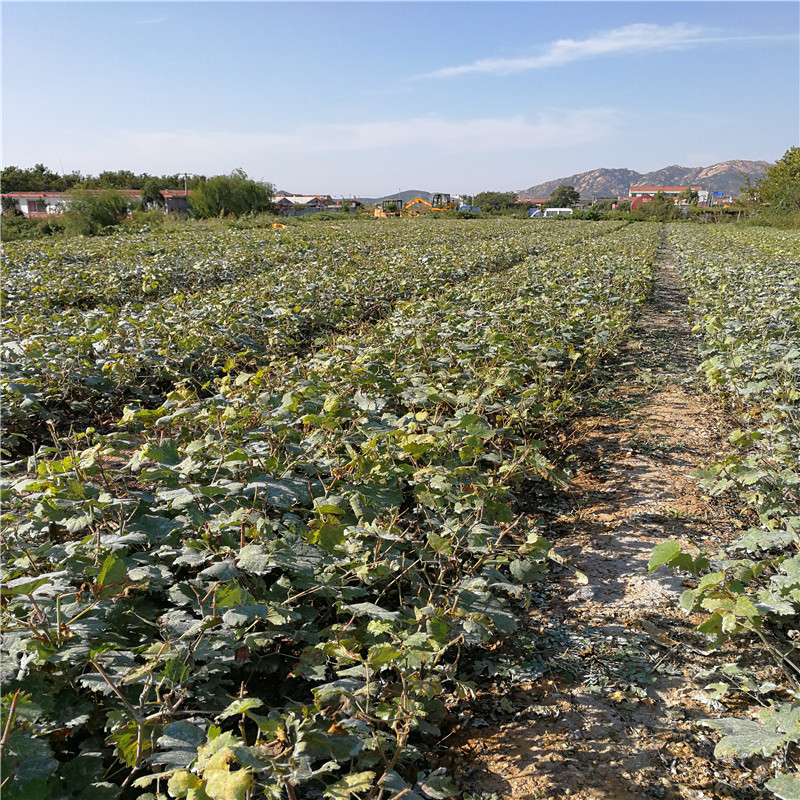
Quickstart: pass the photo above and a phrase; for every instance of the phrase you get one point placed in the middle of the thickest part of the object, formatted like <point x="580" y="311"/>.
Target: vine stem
<point x="11" y="714"/>
<point x="116" y="691"/>
<point x="789" y="667"/>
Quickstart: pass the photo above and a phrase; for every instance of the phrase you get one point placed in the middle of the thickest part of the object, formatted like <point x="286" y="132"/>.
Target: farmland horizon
<point x="713" y="176"/>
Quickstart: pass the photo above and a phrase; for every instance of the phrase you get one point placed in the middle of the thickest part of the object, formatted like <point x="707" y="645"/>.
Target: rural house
<point x="47" y="204"/>
<point x="669" y="191"/>
<point x="299" y="204"/>
<point x="176" y="201"/>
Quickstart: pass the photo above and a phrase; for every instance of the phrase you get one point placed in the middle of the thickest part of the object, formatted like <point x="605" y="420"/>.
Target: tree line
<point x="562" y="196"/>
<point x="40" y="178"/>
<point x="773" y="199"/>
<point x="92" y="212"/>
<point x="234" y="194"/>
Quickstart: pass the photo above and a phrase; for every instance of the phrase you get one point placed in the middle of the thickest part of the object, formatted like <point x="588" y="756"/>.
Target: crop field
<point x="745" y="294"/>
<point x="267" y="494"/>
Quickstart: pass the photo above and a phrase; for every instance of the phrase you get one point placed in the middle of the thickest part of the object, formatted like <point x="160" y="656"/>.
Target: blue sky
<point x="365" y="98"/>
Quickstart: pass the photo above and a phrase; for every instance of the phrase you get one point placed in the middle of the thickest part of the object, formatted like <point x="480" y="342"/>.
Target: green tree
<point x="233" y="194"/>
<point x="151" y="194"/>
<point x="494" y="201"/>
<point x="10" y="208"/>
<point x="90" y="213"/>
<point x="119" y="179"/>
<point x="40" y="178"/>
<point x="779" y="187"/>
<point x="604" y="205"/>
<point x="34" y="179"/>
<point x="661" y="208"/>
<point x="564" y="196"/>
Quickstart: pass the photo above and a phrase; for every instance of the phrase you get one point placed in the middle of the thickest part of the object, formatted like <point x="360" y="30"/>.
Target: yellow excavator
<point x="417" y="206"/>
<point x="439" y="201"/>
<point x="414" y="207"/>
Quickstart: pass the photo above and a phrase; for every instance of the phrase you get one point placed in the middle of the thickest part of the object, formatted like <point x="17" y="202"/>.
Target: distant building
<point x="325" y="199"/>
<point x="53" y="204"/>
<point x="176" y="201"/>
<point x="669" y="191"/>
<point x="639" y="200"/>
<point x="299" y="204"/>
<point x="37" y="204"/>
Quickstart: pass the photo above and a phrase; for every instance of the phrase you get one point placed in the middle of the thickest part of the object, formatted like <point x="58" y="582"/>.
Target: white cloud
<point x="629" y="39"/>
<point x="434" y="133"/>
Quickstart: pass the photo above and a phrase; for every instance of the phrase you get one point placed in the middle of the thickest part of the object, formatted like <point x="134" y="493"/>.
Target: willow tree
<point x="231" y="195"/>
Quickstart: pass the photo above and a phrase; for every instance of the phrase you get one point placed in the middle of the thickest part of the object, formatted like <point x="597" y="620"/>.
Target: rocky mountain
<point x="723" y="177"/>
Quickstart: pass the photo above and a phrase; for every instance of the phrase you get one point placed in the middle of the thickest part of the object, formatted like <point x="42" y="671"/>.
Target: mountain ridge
<point x="725" y="176"/>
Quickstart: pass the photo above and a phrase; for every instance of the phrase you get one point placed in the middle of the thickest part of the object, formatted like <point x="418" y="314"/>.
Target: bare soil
<point x="603" y="689"/>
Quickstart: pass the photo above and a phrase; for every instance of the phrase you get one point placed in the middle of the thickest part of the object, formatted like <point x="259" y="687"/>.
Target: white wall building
<point x="44" y="204"/>
<point x="38" y="204"/>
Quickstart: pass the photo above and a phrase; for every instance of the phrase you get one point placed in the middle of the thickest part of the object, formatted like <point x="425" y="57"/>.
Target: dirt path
<point x="615" y="669"/>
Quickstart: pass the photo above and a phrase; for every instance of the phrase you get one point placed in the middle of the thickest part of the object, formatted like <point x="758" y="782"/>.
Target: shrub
<point x="772" y="218"/>
<point x="48" y="226"/>
<point x="146" y="220"/>
<point x="660" y="208"/>
<point x="18" y="227"/>
<point x="91" y="214"/>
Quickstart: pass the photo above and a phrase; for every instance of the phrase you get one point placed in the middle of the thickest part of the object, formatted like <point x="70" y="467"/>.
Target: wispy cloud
<point x="433" y="133"/>
<point x="629" y="39"/>
<point x="151" y="21"/>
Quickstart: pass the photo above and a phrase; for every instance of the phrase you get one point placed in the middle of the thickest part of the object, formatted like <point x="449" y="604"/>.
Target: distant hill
<point x="404" y="197"/>
<point x="723" y="177"/>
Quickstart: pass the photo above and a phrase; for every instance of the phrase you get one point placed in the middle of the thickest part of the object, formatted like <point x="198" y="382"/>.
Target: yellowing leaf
<point x="351" y="784"/>
<point x="220" y="760"/>
<point x="222" y="784"/>
<point x="185" y="784"/>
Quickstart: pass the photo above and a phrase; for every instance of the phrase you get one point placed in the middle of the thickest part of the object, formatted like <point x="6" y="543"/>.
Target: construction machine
<point x="443" y="201"/>
<point x="417" y="206"/>
<point x="389" y="208"/>
<point x="438" y="202"/>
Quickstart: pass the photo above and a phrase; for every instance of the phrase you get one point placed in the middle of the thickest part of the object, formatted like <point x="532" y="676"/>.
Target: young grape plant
<point x="744" y="287"/>
<point x="265" y="492"/>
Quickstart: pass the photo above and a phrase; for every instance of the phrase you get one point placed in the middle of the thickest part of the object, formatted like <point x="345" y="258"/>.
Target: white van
<point x="557" y="212"/>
